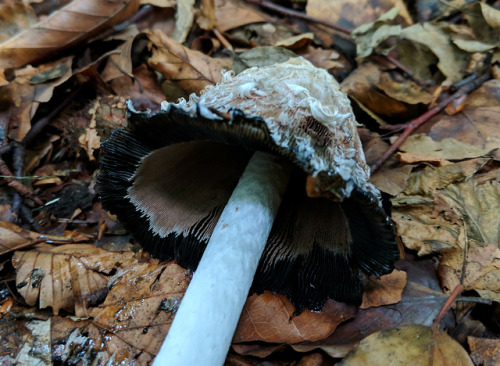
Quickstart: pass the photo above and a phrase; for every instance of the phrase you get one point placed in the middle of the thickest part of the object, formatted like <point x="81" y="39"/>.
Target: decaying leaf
<point x="269" y="317"/>
<point x="477" y="123"/>
<point x="484" y="351"/>
<point x="141" y="304"/>
<point x="30" y="88"/>
<point x="448" y="148"/>
<point x="449" y="207"/>
<point x="70" y="25"/>
<point x="12" y="237"/>
<point x="191" y="70"/>
<point x="352" y="12"/>
<point x="482" y="270"/>
<point x="68" y="277"/>
<point x="408" y="345"/>
<point x="232" y="14"/>
<point x="384" y="291"/>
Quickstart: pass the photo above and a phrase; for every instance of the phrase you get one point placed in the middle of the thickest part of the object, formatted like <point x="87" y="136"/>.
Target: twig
<point x="18" y="186"/>
<point x="300" y="15"/>
<point x="417" y="122"/>
<point x="447" y="305"/>
<point x="222" y="39"/>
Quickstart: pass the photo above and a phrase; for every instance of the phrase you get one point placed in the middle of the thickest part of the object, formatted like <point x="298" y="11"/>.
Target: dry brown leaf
<point x="449" y="207"/>
<point x="15" y="17"/>
<point x="206" y="16"/>
<point x="384" y="291"/>
<point x="24" y="94"/>
<point x="448" y="148"/>
<point x="353" y="13"/>
<point x="363" y="85"/>
<point x="184" y="18"/>
<point x="12" y="237"/>
<point x="190" y="70"/>
<point x="119" y="65"/>
<point x="127" y="87"/>
<point x="141" y="305"/>
<point x="232" y="14"/>
<point x="484" y="351"/>
<point x="25" y="342"/>
<point x="269" y="318"/>
<point x="68" y="277"/>
<point x="482" y="271"/>
<point x="422" y="299"/>
<point x="75" y="22"/>
<point x="409" y="158"/>
<point x="477" y="124"/>
<point x="409" y="345"/>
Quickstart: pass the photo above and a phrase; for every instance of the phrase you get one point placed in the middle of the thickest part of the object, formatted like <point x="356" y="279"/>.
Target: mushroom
<point x="177" y="180"/>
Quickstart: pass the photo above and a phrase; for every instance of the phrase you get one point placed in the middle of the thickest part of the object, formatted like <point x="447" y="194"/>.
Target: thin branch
<point x="417" y="122"/>
<point x="300" y="15"/>
<point x="447" y="305"/>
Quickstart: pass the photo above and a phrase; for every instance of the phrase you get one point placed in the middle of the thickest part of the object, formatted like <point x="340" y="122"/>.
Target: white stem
<point x="205" y="322"/>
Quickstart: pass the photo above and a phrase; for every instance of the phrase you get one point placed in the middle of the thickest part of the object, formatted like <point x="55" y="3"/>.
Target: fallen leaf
<point x="269" y="318"/>
<point x="191" y="70"/>
<point x="352" y="13"/>
<point x="484" y="351"/>
<point x="184" y="19"/>
<point x="449" y="207"/>
<point x="411" y="344"/>
<point x="142" y="303"/>
<point x="25" y="342"/>
<point x="452" y="61"/>
<point x="384" y="291"/>
<point x="448" y="148"/>
<point x="482" y="270"/>
<point x="409" y="158"/>
<point x="121" y="64"/>
<point x="421" y="301"/>
<point x="261" y="56"/>
<point x="476" y="125"/>
<point x="30" y="88"/>
<point x="12" y="237"/>
<point x="232" y="14"/>
<point x="15" y="17"/>
<point x="73" y="23"/>
<point x="66" y="277"/>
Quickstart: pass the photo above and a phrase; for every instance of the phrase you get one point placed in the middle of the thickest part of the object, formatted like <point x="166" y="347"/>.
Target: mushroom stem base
<point x="205" y="322"/>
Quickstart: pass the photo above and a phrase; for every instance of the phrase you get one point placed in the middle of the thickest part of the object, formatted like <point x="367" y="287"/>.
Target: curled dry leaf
<point x="79" y="20"/>
<point x="190" y="70"/>
<point x="269" y="318"/>
<point x="12" y="237"/>
<point x="68" y="277"/>
<point x="24" y="94"/>
<point x="409" y="345"/>
<point x="383" y="94"/>
<point x="449" y="207"/>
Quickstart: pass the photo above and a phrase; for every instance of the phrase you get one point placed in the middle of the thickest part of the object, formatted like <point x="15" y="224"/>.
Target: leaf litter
<point x="95" y="305"/>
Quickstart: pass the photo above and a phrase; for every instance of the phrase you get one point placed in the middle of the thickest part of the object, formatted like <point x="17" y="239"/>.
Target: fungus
<point x="177" y="180"/>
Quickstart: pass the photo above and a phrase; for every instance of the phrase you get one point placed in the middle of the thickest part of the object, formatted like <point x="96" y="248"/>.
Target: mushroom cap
<point x="167" y="177"/>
